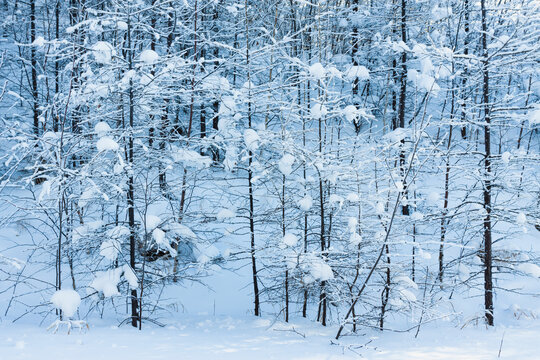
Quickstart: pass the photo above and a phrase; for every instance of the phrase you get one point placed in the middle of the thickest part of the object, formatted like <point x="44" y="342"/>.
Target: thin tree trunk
<point x="283" y="228"/>
<point x="357" y="122"/>
<point x="131" y="188"/>
<point x="402" y="99"/>
<point x="33" y="65"/>
<point x="488" y="277"/>
<point x="188" y="135"/>
<point x="250" y="177"/>
<point x="465" y="70"/>
<point x="56" y="64"/>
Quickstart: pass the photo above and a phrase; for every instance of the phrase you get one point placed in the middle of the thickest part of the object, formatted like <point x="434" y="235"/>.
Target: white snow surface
<point x="152" y="222"/>
<point x="201" y="337"/>
<point x="225" y="214"/>
<point x="66" y="300"/>
<point x="530" y="269"/>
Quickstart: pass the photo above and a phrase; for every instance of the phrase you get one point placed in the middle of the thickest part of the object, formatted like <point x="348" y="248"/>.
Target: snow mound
<point x="423" y="81"/>
<point x="118" y="232"/>
<point x="417" y="215"/>
<point x="149" y="57"/>
<point x="103" y="52"/>
<point x="110" y="249"/>
<point x="289" y="239"/>
<point x="531" y="269"/>
<point x="398" y="135"/>
<point x="192" y="158"/>
<point x="252" y="139"/>
<point x="407" y="295"/>
<point x="102" y="129"/>
<point x="350" y="112"/>
<point x="206" y="253"/>
<point x="406" y="281"/>
<point x="317" y="71"/>
<point x="439" y="13"/>
<point x="152" y="222"/>
<point x="321" y="271"/>
<point x="180" y="230"/>
<point x="336" y="199"/>
<point x="106" y="143"/>
<point x="318" y="111"/>
<point x="357" y="72"/>
<point x="106" y="282"/>
<point x="66" y="300"/>
<point x="306" y="203"/>
<point x="130" y="276"/>
<point x="285" y="164"/>
<point x="39" y="41"/>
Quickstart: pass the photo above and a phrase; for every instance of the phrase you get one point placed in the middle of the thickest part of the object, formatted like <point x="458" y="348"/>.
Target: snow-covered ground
<point x="223" y="337"/>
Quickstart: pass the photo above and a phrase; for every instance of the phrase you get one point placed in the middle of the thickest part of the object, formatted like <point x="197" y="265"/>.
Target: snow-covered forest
<point x="332" y="177"/>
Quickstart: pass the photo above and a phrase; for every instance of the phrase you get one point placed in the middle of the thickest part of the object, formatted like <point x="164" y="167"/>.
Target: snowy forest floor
<point x="220" y="337"/>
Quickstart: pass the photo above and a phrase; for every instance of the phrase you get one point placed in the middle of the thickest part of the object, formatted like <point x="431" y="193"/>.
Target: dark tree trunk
<point x="56" y="64"/>
<point x="355" y="85"/>
<point x="250" y="184"/>
<point x="33" y="64"/>
<point x="131" y="188"/>
<point x="488" y="277"/>
<point x="465" y="70"/>
<point x="402" y="99"/>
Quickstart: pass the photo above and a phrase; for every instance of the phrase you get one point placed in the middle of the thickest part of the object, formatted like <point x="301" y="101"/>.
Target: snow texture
<point x="306" y="203"/>
<point x="289" y="239"/>
<point x="285" y="164"/>
<point x="317" y="71"/>
<point x="318" y="111"/>
<point x="66" y="300"/>
<point x="149" y="57"/>
<point x="106" y="143"/>
<point x="102" y="129"/>
<point x="225" y="214"/>
<point x="357" y="72"/>
<point x="103" y="52"/>
<point x="251" y="139"/>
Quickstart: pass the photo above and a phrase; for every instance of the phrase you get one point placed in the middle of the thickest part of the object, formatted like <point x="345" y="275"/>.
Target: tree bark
<point x="488" y="276"/>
